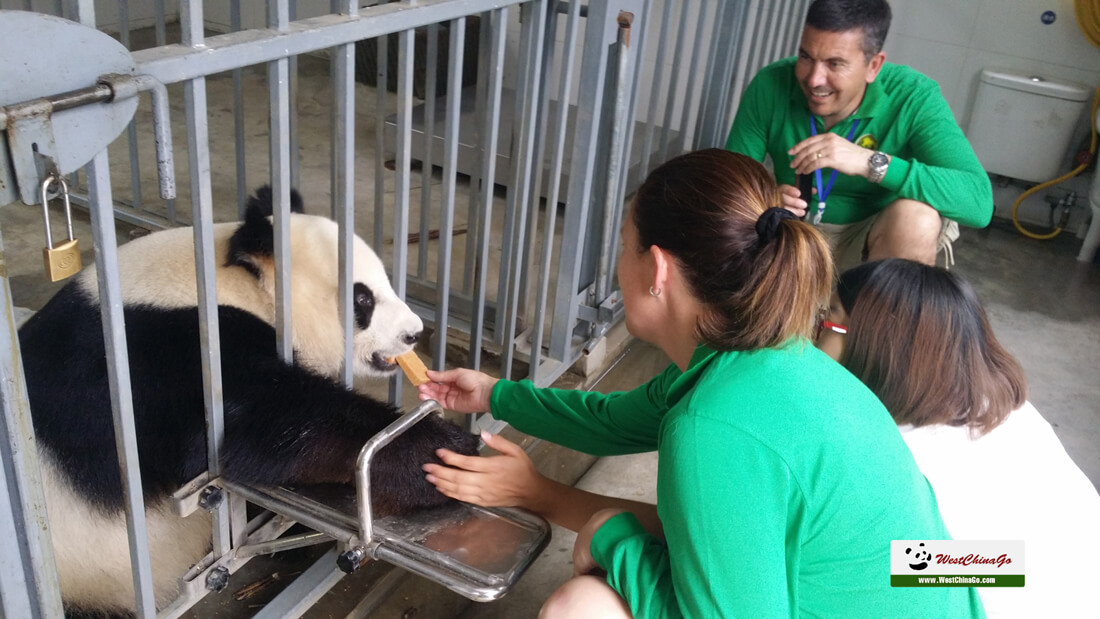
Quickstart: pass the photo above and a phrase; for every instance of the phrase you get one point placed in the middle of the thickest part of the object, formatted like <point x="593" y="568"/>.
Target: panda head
<point x="383" y="324"/>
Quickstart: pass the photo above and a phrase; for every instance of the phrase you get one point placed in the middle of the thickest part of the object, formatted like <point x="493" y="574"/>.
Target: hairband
<point x="767" y="225"/>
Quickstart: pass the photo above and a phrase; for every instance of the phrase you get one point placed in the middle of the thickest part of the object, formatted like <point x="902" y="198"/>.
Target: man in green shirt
<point x="876" y="142"/>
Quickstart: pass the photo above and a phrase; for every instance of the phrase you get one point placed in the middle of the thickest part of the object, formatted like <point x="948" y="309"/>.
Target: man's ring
<point x="819" y="154"/>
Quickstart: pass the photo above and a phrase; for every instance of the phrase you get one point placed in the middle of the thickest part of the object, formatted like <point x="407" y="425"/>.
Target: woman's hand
<point x="507" y="480"/>
<point x="583" y="563"/>
<point x="461" y="390"/>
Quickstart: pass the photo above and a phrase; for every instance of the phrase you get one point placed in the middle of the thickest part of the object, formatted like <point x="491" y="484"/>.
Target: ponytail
<point x="761" y="274"/>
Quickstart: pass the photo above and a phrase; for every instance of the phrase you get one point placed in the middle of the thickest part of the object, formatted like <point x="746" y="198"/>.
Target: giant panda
<point x="285" y="424"/>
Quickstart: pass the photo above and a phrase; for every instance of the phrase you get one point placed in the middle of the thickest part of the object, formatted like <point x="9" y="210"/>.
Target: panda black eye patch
<point x="364" y="305"/>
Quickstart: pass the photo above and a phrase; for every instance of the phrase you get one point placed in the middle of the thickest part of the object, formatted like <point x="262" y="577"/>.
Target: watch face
<point x="879" y="160"/>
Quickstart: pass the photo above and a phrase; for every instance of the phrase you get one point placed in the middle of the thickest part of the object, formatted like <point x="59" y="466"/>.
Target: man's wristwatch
<point x="878" y="164"/>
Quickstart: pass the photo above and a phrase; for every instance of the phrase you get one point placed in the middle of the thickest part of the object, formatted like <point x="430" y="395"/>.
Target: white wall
<point x="952" y="40"/>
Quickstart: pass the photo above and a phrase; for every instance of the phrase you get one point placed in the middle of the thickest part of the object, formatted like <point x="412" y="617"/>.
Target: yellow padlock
<point x="64" y="260"/>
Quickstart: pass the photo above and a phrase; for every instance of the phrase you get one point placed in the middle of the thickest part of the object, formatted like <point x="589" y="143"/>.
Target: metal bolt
<point x="217" y="579"/>
<point x="349" y="561"/>
<point x="211" y="498"/>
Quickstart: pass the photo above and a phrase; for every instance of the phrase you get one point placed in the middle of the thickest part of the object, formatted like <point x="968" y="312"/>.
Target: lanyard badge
<point x="823" y="192"/>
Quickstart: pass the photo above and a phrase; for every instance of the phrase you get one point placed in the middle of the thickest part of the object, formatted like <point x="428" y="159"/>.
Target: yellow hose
<point x="1071" y="174"/>
<point x="1088" y="19"/>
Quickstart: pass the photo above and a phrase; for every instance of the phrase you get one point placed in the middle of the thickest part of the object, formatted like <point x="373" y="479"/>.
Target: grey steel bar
<point x="742" y="74"/>
<point x="403" y="172"/>
<point x="565" y="84"/>
<point x="118" y="372"/>
<point x="202" y="216"/>
<point x="655" y="90"/>
<point x="281" y="544"/>
<point x="784" y="17"/>
<point x="131" y="129"/>
<point x="381" y="85"/>
<point x="763" y="31"/>
<point x="520" y="105"/>
<point x="450" y="172"/>
<point x="305" y="590"/>
<point x="477" y="179"/>
<point x="161" y="35"/>
<point x="491" y="124"/>
<point x="278" y="79"/>
<point x="636" y="60"/>
<point x="224" y="52"/>
<point x="15" y="600"/>
<point x="524" y="175"/>
<point x="686" y="119"/>
<point x="238" y="118"/>
<point x="362" y="467"/>
<point x="126" y="86"/>
<point x="426" y="172"/>
<point x="317" y="516"/>
<point x="28" y="575"/>
<point x="674" y="81"/>
<point x="295" y="154"/>
<point x="795" y="30"/>
<point x="549" y="44"/>
<point x="718" y="46"/>
<point x="586" y="134"/>
<point x="615" y="169"/>
<point x="343" y="174"/>
<point x="118" y="362"/>
<point x="733" y="21"/>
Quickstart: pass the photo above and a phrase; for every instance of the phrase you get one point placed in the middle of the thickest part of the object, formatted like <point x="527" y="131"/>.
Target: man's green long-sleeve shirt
<point x="781" y="482"/>
<point x="902" y="114"/>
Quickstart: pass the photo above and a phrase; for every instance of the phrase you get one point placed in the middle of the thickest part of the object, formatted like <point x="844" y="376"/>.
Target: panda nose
<point x="411" y="338"/>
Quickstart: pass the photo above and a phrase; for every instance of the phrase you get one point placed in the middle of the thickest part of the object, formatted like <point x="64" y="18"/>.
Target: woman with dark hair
<point x="782" y="480"/>
<point x="917" y="336"/>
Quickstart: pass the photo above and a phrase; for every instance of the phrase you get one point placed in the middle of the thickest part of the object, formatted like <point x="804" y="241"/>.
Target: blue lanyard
<point x="823" y="192"/>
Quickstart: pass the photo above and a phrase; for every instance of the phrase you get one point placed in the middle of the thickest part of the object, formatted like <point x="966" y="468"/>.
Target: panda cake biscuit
<point x="413" y="367"/>
<point x="286" y="423"/>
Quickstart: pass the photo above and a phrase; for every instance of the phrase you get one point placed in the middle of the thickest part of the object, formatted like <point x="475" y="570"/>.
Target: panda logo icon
<point x="921" y="557"/>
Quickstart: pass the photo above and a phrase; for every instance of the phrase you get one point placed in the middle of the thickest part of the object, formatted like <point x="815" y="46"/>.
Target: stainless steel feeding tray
<point x="477" y="552"/>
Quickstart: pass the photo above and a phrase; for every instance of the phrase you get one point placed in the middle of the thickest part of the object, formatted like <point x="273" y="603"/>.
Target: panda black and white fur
<point x="284" y="424"/>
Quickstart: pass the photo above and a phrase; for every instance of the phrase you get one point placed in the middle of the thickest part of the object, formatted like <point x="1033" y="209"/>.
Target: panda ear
<point x="254" y="241"/>
<point x="263" y="201"/>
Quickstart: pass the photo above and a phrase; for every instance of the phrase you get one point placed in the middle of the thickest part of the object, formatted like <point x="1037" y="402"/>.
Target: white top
<point x="1018" y="483"/>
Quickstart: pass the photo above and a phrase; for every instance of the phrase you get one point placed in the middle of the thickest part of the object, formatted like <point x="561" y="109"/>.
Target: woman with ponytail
<point x="782" y="479"/>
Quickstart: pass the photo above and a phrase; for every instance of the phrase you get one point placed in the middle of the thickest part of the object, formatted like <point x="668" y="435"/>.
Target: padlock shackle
<point x="64" y="193"/>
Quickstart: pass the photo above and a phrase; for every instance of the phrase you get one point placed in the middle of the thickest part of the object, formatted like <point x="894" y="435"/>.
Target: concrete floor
<point x="1044" y="306"/>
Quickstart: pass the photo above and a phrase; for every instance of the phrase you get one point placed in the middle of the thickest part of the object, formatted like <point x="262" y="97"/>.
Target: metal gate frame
<point x="601" y="174"/>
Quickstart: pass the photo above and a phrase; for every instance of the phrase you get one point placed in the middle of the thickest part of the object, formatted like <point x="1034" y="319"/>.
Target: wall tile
<point x="1014" y="27"/>
<point x="943" y="21"/>
<point x="939" y="61"/>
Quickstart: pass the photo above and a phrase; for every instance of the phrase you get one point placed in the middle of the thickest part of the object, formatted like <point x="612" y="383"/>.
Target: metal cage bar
<point x="450" y="162"/>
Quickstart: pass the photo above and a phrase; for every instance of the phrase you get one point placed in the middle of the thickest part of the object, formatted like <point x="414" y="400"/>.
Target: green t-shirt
<point x="779" y="495"/>
<point x="902" y="114"/>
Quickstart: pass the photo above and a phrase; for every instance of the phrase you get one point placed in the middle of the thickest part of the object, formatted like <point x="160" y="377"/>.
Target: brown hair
<point x="919" y="338"/>
<point x="702" y="208"/>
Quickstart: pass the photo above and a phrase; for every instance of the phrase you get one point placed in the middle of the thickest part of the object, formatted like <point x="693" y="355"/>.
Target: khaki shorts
<point x="849" y="241"/>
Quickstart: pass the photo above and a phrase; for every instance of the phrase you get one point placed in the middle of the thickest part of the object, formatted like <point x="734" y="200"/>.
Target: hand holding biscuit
<point x="461" y="390"/>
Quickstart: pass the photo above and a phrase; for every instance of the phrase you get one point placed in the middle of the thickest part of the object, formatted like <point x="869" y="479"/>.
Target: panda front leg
<point x="303" y="429"/>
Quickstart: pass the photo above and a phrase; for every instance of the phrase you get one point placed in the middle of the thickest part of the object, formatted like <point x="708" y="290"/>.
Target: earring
<point x="653" y="292"/>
